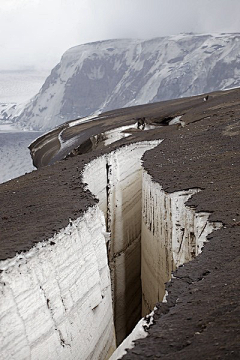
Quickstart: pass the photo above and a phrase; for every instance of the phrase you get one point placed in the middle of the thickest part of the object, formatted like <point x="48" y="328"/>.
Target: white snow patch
<point x="120" y="133"/>
<point x="84" y="119"/>
<point x="139" y="332"/>
<point x="175" y="121"/>
<point x="117" y="134"/>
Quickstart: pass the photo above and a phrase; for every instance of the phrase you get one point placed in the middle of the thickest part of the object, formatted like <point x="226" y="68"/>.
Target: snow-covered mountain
<point x="112" y="74"/>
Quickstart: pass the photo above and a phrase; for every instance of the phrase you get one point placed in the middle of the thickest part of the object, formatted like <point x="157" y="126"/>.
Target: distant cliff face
<point x="112" y="74"/>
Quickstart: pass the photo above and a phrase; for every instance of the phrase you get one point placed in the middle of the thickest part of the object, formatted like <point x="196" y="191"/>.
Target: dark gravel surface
<point x="201" y="319"/>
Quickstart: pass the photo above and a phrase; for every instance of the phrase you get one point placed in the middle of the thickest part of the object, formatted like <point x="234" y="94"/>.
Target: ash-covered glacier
<point x="57" y="254"/>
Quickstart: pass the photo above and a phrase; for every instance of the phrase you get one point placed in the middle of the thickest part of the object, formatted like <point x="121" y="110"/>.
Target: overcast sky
<point x="35" y="33"/>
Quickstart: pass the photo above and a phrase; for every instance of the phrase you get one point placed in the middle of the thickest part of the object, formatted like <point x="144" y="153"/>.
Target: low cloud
<point x="35" y="33"/>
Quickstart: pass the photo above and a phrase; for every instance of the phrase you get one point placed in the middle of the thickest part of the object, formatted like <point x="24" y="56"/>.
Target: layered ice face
<point x="172" y="234"/>
<point x="56" y="299"/>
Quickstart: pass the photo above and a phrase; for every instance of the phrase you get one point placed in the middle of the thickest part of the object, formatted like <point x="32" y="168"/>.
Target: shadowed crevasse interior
<point x="116" y="180"/>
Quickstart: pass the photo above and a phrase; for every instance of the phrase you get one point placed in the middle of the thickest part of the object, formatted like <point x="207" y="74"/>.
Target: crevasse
<point x="98" y="276"/>
<point x="116" y="180"/>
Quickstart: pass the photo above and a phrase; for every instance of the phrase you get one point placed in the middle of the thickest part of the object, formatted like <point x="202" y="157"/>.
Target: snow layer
<point x="117" y="134"/>
<point x="83" y="120"/>
<point x="172" y="234"/>
<point x="116" y="180"/>
<point x="139" y="332"/>
<point x="113" y="74"/>
<point x="176" y="120"/>
<point x="121" y="132"/>
<point x="56" y="298"/>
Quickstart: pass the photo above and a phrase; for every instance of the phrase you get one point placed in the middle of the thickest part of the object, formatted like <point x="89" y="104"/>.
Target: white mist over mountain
<point x="35" y="33"/>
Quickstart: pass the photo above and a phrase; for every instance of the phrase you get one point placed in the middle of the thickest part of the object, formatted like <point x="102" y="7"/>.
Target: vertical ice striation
<point x="172" y="234"/>
<point x="116" y="180"/>
<point x="56" y="298"/>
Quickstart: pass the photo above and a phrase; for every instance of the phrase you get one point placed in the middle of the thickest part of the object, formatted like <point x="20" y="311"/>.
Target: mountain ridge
<point x="111" y="74"/>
